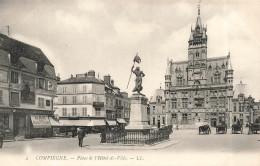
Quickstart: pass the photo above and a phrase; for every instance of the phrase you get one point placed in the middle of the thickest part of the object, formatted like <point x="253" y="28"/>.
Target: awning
<point x="111" y="122"/>
<point x="74" y="122"/>
<point x="40" y="121"/>
<point x="120" y="120"/>
<point x="54" y="122"/>
<point x="96" y="123"/>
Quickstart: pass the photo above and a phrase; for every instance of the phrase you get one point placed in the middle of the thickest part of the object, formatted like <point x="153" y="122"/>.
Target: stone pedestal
<point x="138" y="114"/>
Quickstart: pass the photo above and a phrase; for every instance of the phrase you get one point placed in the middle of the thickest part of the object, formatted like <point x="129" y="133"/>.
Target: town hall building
<point x="200" y="88"/>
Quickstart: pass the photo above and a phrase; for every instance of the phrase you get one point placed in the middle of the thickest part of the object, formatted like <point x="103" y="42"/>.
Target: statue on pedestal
<point x="139" y="75"/>
<point x="138" y="81"/>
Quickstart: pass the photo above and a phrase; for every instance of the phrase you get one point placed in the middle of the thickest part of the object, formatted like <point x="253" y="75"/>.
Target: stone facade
<point x="27" y="90"/>
<point x="201" y="88"/>
<point x="158" y="114"/>
<point x="81" y="97"/>
<point x="244" y="108"/>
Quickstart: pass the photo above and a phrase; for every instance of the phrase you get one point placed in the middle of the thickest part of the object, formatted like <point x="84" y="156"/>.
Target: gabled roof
<point x="20" y="49"/>
<point x="80" y="80"/>
<point x="241" y="89"/>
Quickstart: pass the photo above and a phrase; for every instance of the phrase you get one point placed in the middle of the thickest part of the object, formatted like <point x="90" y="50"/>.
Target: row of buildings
<point x="201" y="89"/>
<point x="85" y="100"/>
<point x="33" y="100"/>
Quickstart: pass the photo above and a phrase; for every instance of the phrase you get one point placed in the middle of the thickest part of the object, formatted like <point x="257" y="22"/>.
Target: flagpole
<point x="130" y="76"/>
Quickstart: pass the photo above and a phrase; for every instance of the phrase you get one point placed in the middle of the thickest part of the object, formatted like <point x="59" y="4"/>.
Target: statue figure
<point x="138" y="81"/>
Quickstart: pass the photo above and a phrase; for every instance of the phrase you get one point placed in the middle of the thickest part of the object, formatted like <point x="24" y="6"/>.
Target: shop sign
<point x="40" y="121"/>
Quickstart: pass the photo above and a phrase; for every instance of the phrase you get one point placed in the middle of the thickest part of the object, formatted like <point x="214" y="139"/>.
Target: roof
<point x="80" y="80"/>
<point x="20" y="49"/>
<point x="241" y="89"/>
<point x="158" y="92"/>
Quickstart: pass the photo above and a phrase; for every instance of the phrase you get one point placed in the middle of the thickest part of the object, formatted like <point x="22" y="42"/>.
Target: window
<point x="116" y="102"/>
<point x="199" y="102"/>
<point x="15" y="99"/>
<point x="241" y="107"/>
<point x="1" y="96"/>
<point x="64" y="99"/>
<point x="64" y="111"/>
<point x="3" y="76"/>
<point x="74" y="111"/>
<point x="174" y="103"/>
<point x="74" y="99"/>
<point x="185" y="103"/>
<point x="40" y="83"/>
<point x="222" y="102"/>
<point x="64" y="90"/>
<point x="74" y="89"/>
<point x="174" y="118"/>
<point x="119" y="102"/>
<point x="84" y="111"/>
<point x="14" y="77"/>
<point x="48" y="103"/>
<point x="84" y="99"/>
<point x="184" y="118"/>
<point x="84" y="88"/>
<point x="106" y="101"/>
<point x="207" y="116"/>
<point x="153" y="120"/>
<point x="179" y="80"/>
<point x="111" y="102"/>
<point x="163" y="120"/>
<point x="213" y="102"/>
<point x="217" y="78"/>
<point x="97" y="111"/>
<point x="40" y="102"/>
<point x="235" y="107"/>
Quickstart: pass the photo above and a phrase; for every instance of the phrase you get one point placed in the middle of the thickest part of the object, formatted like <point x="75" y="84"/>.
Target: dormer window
<point x="14" y="59"/>
<point x="40" y="66"/>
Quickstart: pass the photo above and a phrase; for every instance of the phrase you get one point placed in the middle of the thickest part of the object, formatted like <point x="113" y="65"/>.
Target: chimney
<point x="107" y="79"/>
<point x="91" y="73"/>
<point x="112" y="82"/>
<point x="58" y="78"/>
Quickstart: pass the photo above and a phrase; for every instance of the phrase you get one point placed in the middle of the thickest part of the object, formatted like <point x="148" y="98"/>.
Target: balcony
<point x="98" y="104"/>
<point x="73" y="115"/>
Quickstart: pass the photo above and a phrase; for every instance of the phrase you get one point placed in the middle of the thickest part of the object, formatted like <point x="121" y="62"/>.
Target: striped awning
<point x="111" y="122"/>
<point x="74" y="122"/>
<point x="96" y="123"/>
<point x="120" y="120"/>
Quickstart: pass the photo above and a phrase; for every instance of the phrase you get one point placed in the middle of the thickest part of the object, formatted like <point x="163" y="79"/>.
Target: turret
<point x="168" y="75"/>
<point x="229" y="77"/>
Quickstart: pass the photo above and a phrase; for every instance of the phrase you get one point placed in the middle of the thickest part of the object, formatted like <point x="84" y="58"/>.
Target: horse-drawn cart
<point x="253" y="128"/>
<point x="221" y="128"/>
<point x="237" y="128"/>
<point x="204" y="129"/>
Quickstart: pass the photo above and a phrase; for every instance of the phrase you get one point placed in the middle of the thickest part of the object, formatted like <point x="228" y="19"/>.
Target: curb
<point x="160" y="145"/>
<point x="32" y="139"/>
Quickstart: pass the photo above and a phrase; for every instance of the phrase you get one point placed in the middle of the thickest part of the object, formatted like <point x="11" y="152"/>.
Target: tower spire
<point x="199" y="8"/>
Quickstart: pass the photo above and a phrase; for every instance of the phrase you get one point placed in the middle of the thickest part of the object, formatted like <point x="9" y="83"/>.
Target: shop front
<point x="31" y="123"/>
<point x="6" y="122"/>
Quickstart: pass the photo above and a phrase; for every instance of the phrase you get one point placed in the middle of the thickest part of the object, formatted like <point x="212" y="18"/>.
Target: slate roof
<point x="20" y="49"/>
<point x="80" y="80"/>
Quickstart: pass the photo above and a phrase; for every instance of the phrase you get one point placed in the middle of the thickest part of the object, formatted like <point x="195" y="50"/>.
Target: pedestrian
<point x="81" y="134"/>
<point x="103" y="136"/>
<point x="2" y="135"/>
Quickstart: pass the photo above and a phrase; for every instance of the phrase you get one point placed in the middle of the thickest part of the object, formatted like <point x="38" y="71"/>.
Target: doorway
<point x="213" y="122"/>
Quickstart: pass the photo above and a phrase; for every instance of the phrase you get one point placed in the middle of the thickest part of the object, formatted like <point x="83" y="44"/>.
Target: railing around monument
<point x="139" y="137"/>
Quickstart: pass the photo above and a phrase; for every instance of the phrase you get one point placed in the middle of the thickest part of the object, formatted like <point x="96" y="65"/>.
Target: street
<point x="220" y="149"/>
<point x="188" y="140"/>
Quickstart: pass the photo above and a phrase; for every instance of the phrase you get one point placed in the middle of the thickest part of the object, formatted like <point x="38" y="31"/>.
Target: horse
<point x="205" y="129"/>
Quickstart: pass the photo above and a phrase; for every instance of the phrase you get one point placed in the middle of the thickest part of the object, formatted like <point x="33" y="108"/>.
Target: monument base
<point x="138" y="115"/>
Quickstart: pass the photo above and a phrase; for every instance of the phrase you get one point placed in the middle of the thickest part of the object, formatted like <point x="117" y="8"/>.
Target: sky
<point x="105" y="35"/>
